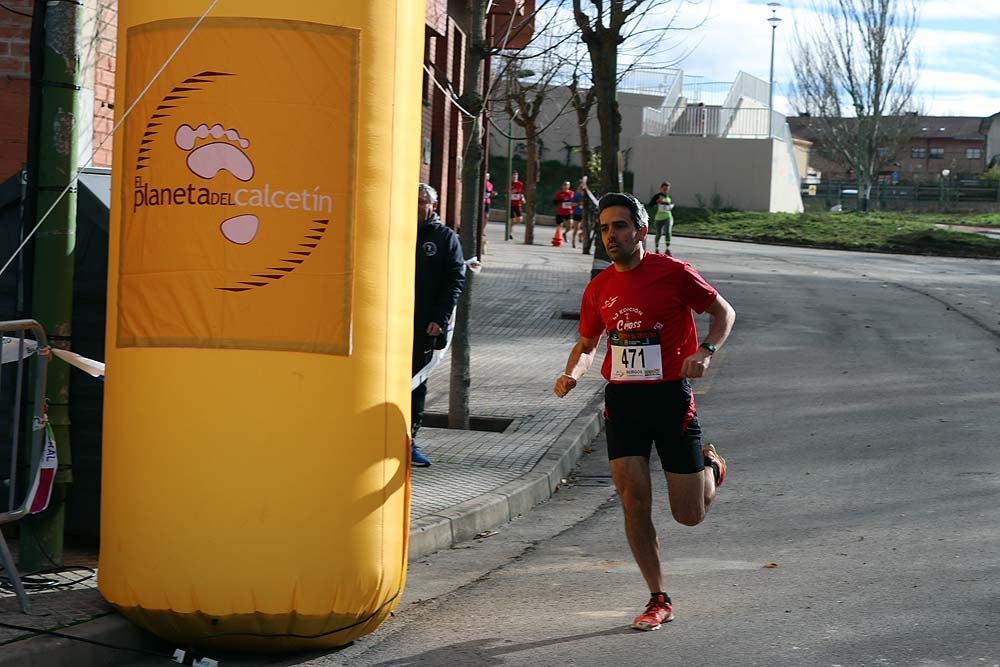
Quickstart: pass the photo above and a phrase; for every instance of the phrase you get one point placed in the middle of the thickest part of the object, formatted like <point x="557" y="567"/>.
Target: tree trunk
<point x="530" y="181"/>
<point x="461" y="367"/>
<point x="604" y="57"/>
<point x="582" y="108"/>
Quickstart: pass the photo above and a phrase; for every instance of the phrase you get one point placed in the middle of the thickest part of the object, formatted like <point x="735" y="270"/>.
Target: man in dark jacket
<point x="440" y="277"/>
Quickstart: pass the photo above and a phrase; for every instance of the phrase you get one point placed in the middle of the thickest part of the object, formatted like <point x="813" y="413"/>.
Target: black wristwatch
<point x="708" y="346"/>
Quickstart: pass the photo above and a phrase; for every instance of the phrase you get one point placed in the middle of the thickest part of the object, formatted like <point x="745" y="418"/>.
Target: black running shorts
<point x="636" y="416"/>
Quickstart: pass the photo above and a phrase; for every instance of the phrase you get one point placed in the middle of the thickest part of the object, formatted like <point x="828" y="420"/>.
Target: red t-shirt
<point x="516" y="193"/>
<point x="564" y="202"/>
<point x="647" y="313"/>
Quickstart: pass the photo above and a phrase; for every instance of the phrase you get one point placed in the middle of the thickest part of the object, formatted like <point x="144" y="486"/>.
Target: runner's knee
<point x="688" y="516"/>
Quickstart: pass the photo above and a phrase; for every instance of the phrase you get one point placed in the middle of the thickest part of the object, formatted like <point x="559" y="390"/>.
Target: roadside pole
<point x="510" y="169"/>
<point x="41" y="536"/>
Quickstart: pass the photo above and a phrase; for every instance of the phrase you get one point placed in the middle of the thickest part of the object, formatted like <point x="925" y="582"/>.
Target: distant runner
<point x="663" y="216"/>
<point x="644" y="301"/>
<point x="577" y="233"/>
<point x="564" y="206"/>
<point x="516" y="191"/>
<point x="487" y="197"/>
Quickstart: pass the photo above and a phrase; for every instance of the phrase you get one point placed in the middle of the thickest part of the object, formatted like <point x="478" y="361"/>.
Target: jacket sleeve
<point x="453" y="283"/>
<point x="655" y="200"/>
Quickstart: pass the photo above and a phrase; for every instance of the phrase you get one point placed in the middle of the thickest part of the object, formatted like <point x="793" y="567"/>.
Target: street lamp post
<point x="774" y="21"/>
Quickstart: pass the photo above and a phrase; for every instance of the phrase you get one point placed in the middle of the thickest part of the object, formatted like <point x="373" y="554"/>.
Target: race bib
<point x="635" y="356"/>
<point x="566" y="206"/>
<point x="664" y="208"/>
<point x="515" y="196"/>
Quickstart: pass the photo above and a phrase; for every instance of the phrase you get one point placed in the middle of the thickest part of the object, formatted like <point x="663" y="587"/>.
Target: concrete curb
<point x="466" y="520"/>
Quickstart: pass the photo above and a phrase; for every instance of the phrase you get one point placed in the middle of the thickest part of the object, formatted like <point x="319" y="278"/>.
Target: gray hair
<point x="428" y="192"/>
<point x="638" y="211"/>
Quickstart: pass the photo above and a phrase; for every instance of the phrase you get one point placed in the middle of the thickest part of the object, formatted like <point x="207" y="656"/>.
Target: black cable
<point x="50" y="584"/>
<point x="14" y="11"/>
<point x="63" y="635"/>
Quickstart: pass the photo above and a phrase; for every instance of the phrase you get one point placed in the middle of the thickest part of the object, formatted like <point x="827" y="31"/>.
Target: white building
<point x="709" y="140"/>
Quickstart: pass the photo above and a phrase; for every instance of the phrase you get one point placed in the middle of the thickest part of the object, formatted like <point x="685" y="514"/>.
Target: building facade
<point x="956" y="144"/>
<point x="96" y="48"/>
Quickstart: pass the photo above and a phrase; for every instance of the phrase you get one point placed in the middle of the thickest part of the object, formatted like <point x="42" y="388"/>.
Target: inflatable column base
<point x="257" y="633"/>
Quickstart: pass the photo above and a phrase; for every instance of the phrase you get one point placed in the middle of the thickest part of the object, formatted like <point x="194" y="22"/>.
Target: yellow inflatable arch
<point x="255" y="482"/>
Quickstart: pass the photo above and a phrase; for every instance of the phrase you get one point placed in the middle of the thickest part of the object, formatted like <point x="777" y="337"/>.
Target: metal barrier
<point x="18" y="348"/>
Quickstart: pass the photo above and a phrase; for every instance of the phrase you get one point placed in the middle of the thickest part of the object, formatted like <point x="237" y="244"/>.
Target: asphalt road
<point x="858" y="405"/>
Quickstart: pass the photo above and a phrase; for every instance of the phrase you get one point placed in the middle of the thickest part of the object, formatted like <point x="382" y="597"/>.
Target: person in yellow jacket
<point x="663" y="216"/>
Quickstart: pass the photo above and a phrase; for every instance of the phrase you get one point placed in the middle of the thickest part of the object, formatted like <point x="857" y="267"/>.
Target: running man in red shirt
<point x="644" y="301"/>
<point x="516" y="190"/>
<point x="564" y="207"/>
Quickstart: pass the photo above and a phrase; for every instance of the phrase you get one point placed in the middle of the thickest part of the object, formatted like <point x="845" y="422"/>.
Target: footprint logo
<point x="223" y="153"/>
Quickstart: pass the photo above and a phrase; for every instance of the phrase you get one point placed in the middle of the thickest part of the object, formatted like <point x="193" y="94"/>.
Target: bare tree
<point x="524" y="101"/>
<point x="604" y="26"/>
<point x="582" y="101"/>
<point x="855" y="77"/>
<point x="471" y="103"/>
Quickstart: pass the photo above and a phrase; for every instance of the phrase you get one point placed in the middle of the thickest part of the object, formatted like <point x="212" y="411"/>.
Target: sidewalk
<point x="526" y="305"/>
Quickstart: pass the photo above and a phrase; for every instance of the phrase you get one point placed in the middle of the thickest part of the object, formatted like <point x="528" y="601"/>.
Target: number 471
<point x="629" y="358"/>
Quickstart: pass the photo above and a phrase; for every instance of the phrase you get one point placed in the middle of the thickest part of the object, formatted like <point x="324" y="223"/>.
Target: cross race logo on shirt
<point x="622" y="321"/>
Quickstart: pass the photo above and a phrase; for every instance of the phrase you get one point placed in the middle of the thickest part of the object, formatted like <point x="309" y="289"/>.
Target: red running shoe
<point x="658" y="611"/>
<point x="712" y="455"/>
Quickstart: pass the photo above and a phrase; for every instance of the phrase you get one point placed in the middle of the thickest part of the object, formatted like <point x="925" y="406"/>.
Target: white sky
<point x="958" y="42"/>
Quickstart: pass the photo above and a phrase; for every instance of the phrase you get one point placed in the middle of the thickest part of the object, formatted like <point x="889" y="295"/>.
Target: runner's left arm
<point x="722" y="316"/>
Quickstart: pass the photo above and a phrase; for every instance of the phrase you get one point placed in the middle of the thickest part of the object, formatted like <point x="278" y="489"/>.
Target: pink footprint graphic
<point x="209" y="159"/>
<point x="240" y="229"/>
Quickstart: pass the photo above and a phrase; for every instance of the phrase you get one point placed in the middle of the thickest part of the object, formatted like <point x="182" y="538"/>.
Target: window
<point x="428" y="85"/>
<point x="973" y="153"/>
<point x="884" y="153"/>
<point x="918" y="152"/>
<point x="937" y="154"/>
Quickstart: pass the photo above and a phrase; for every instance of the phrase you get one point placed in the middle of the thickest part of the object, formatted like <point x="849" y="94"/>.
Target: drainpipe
<point x="41" y="537"/>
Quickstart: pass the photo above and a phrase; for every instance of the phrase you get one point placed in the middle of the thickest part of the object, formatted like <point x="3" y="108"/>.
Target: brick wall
<point x="441" y="132"/>
<point x="104" y="80"/>
<point x="15" y="69"/>
<point x="15" y="36"/>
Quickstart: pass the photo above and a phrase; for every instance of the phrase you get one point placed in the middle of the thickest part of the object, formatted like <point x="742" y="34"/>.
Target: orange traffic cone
<point x="557" y="238"/>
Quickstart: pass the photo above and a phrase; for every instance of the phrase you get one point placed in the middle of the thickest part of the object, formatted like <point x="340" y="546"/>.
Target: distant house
<point x="990" y="128"/>
<point x="936" y="143"/>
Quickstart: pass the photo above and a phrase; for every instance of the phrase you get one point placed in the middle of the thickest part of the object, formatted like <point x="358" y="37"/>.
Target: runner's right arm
<point x="580" y="359"/>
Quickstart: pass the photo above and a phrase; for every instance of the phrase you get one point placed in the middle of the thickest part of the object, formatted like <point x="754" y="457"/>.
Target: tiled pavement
<point x="525" y="304"/>
<point x="520" y="336"/>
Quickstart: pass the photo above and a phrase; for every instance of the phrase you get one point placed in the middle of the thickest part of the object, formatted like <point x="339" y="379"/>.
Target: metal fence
<point x="738" y="122"/>
<point x="23" y="363"/>
<point x="953" y="194"/>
